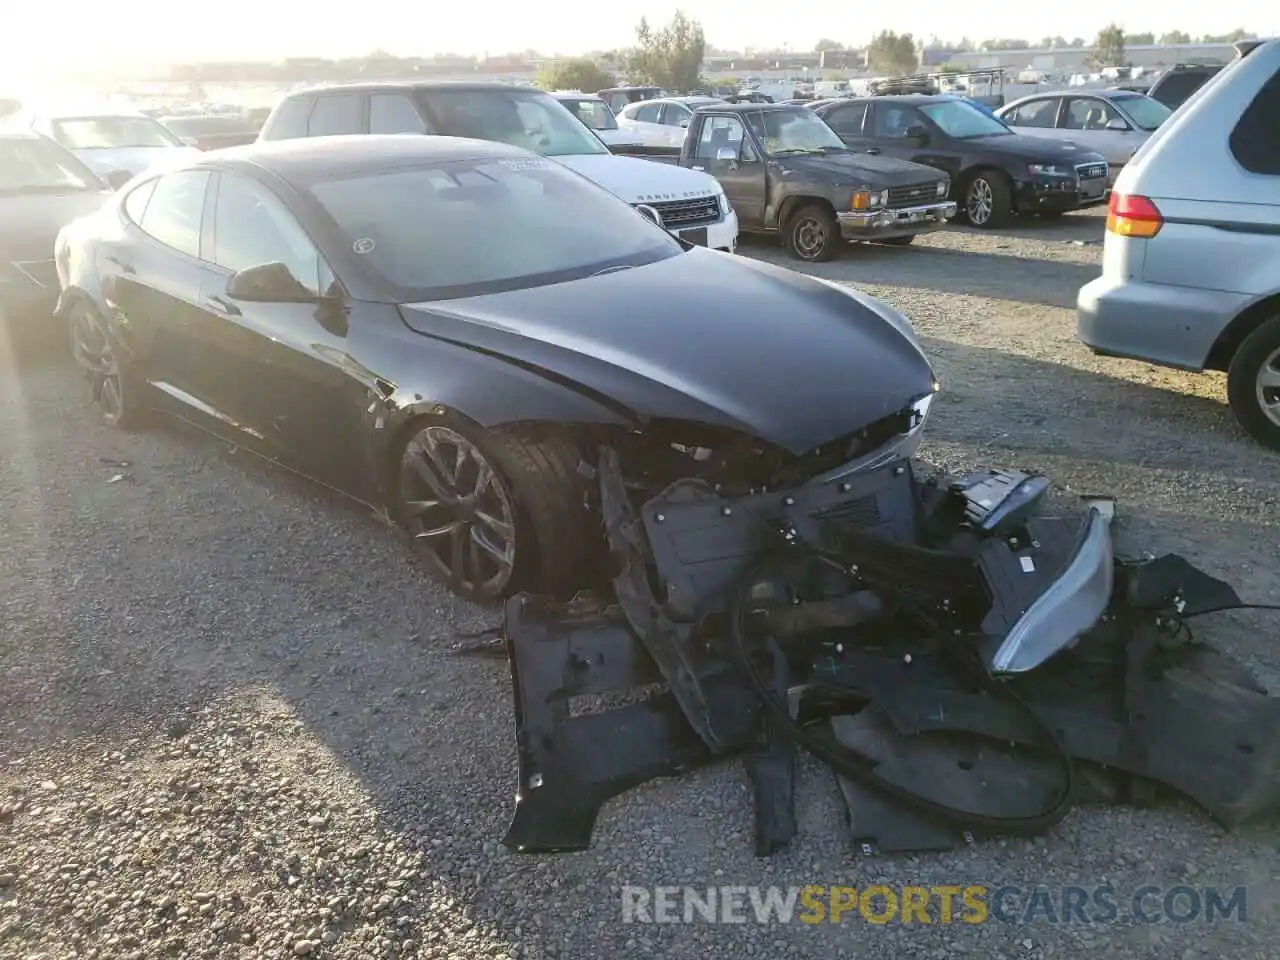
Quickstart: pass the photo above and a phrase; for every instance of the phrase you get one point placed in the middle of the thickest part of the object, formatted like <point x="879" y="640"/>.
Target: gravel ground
<point x="231" y="724"/>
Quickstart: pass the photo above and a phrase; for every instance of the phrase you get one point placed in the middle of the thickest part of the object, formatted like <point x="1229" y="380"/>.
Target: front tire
<point x="118" y="392"/>
<point x="493" y="514"/>
<point x="1253" y="384"/>
<point x="988" y="201"/>
<point x="813" y="235"/>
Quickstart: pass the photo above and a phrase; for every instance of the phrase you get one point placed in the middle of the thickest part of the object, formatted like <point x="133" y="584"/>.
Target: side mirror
<point x="1117" y="123"/>
<point x="190" y="141"/>
<point x="118" y="178"/>
<point x="726" y="153"/>
<point x="919" y="133"/>
<point x="684" y="121"/>
<point x="268" y="283"/>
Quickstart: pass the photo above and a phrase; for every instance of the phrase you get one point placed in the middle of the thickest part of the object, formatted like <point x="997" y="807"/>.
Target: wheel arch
<point x="1238" y="330"/>
<point x="796" y="201"/>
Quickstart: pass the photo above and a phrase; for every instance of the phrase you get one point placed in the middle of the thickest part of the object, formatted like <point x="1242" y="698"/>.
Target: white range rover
<point x="690" y="204"/>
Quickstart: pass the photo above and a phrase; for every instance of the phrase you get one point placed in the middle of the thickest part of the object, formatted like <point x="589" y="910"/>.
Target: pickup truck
<point x="787" y="173"/>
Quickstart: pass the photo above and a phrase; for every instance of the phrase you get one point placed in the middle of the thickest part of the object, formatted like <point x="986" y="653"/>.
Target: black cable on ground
<point x="849" y="763"/>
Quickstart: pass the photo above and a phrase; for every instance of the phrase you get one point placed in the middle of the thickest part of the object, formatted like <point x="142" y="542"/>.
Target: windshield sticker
<point x="363" y="245"/>
<point x="526" y="164"/>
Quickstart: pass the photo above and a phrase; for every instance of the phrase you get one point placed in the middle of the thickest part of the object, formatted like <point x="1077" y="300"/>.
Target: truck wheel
<point x="1253" y="384"/>
<point x="813" y="234"/>
<point x="493" y="512"/>
<point x="988" y="201"/>
<point x="906" y="241"/>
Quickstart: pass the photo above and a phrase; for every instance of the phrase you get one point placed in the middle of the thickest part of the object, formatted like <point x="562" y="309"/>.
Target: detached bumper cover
<point x="1134" y="702"/>
<point x="895" y="222"/>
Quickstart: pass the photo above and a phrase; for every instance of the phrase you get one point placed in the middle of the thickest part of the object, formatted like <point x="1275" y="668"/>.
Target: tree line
<point x="671" y="56"/>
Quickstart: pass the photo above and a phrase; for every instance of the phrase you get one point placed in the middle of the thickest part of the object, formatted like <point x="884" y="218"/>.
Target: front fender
<point x="432" y="378"/>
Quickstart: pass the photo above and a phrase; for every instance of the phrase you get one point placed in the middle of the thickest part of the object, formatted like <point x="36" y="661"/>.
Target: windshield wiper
<point x="792" y="151"/>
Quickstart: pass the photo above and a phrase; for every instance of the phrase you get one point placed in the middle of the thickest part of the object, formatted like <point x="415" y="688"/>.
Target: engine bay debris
<point x="966" y="662"/>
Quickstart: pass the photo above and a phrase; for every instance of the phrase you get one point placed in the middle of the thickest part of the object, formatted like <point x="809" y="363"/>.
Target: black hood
<point x="705" y="337"/>
<point x="29" y="223"/>
<point x="853" y="169"/>
<point x="1033" y="149"/>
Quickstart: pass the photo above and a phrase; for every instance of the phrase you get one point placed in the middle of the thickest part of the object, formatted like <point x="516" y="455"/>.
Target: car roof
<point x="575" y="95"/>
<point x="375" y="86"/>
<point x="913" y="98"/>
<point x="306" y="160"/>
<point x="78" y="111"/>
<point x="752" y="107"/>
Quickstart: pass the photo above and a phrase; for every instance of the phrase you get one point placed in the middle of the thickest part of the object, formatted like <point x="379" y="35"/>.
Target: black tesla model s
<point x="447" y="329"/>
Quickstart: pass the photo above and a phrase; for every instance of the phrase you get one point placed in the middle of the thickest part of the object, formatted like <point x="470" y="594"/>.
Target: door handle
<point x="125" y="268"/>
<point x="222" y="306"/>
<point x="873" y="149"/>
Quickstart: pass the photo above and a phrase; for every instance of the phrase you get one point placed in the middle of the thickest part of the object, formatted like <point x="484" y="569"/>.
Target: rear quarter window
<point x="1255" y="141"/>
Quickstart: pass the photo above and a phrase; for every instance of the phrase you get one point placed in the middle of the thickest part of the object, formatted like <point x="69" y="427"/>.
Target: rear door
<point x="155" y="281"/>
<point x="643" y="120"/>
<point x="675" y="122"/>
<point x="1037" y="118"/>
<point x="847" y="120"/>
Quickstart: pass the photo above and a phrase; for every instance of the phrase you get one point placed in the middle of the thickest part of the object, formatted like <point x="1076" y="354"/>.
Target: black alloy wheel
<point x="988" y="201"/>
<point x="459" y="509"/>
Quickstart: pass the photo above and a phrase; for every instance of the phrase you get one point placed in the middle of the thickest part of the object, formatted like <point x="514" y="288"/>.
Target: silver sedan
<point x="1115" y="123"/>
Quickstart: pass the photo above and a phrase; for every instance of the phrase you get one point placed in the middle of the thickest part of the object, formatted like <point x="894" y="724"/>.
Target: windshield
<point x="594" y="113"/>
<point x="420" y="228"/>
<point x="106" y="133"/>
<point x="786" y="132"/>
<point x="33" y="165"/>
<point x="523" y="118"/>
<point x="203" y="126"/>
<point x="962" y="120"/>
<point x="1148" y="114"/>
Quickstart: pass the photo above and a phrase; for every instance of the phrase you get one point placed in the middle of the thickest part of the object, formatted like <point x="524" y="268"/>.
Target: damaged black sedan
<point x="450" y="330"/>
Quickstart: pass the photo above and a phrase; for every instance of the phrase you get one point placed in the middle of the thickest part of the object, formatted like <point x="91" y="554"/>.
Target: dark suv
<point x="1176" y="85"/>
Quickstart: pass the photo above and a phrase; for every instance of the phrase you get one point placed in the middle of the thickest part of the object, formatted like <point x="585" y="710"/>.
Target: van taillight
<point x="1133" y="216"/>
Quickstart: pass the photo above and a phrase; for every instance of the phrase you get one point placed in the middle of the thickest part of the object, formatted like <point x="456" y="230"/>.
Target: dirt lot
<point x="231" y="724"/>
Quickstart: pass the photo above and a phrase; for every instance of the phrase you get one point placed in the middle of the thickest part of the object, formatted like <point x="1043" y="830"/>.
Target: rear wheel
<point x="813" y="234"/>
<point x="1253" y="384"/>
<point x="988" y="201"/>
<point x="493" y="514"/>
<point x="117" y="391"/>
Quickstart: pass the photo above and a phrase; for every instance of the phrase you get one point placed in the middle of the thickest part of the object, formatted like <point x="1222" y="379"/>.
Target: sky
<point x="53" y="36"/>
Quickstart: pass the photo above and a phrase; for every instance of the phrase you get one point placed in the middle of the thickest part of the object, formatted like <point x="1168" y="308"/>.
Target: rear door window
<point x="176" y="210"/>
<point x="394" y="113"/>
<point x="336" y="114"/>
<point x="847" y="121"/>
<point x="648" y="113"/>
<point x="1037" y="113"/>
<point x="1255" y="141"/>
